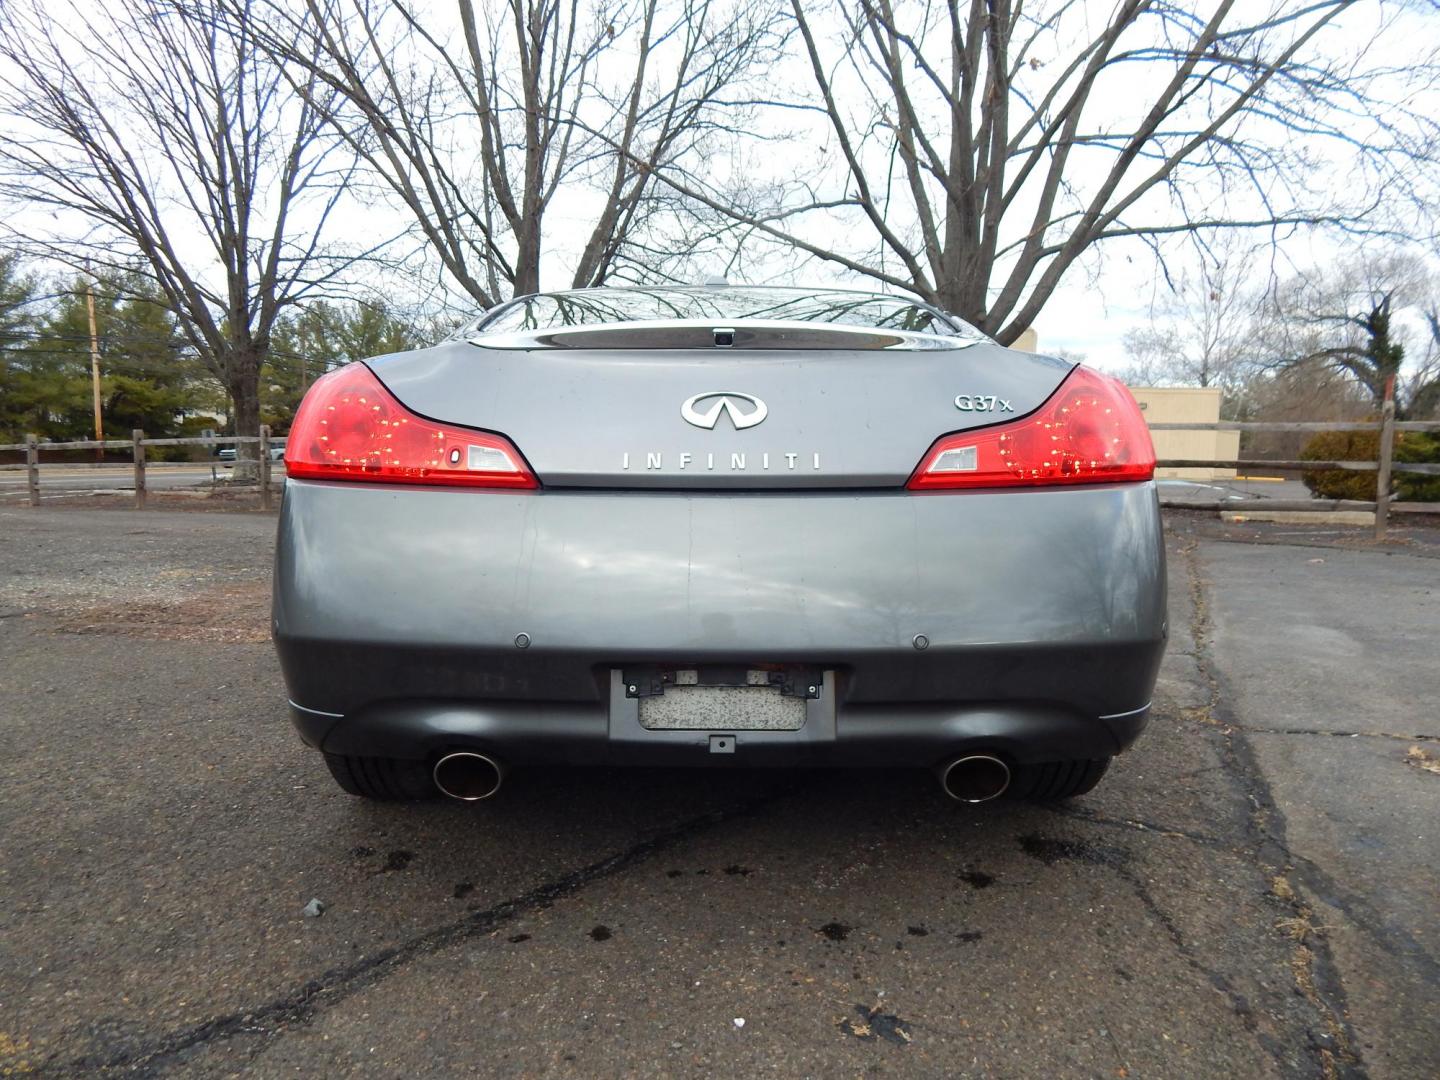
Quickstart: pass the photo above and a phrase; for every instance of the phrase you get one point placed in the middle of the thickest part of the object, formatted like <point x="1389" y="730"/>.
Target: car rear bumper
<point x="398" y="611"/>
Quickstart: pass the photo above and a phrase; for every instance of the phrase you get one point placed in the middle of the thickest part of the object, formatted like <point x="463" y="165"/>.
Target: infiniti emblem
<point x="744" y="410"/>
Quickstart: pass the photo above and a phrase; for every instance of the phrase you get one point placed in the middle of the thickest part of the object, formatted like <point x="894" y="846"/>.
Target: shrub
<point x="1417" y="447"/>
<point x="1410" y="446"/>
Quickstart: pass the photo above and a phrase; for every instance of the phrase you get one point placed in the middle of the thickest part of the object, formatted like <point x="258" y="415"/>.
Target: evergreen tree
<point x="318" y="338"/>
<point x="147" y="379"/>
<point x="19" y="318"/>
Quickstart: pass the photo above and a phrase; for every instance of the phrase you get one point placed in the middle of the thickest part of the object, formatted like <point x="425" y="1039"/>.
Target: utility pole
<point x="95" y="367"/>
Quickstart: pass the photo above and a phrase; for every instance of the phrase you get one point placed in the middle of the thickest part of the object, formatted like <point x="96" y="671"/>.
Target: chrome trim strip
<point x="315" y="712"/>
<point x="1132" y="712"/>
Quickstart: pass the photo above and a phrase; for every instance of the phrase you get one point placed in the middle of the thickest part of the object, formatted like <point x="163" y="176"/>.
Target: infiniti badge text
<point x="737" y="461"/>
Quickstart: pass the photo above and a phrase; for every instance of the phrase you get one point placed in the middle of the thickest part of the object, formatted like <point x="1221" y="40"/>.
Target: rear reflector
<point x="349" y="427"/>
<point x="1090" y="431"/>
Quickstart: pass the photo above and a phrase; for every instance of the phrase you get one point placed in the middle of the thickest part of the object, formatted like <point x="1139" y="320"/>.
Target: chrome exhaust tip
<point x="468" y="776"/>
<point x="975" y="778"/>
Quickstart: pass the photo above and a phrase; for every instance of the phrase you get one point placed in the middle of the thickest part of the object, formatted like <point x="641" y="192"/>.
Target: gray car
<point x="722" y="526"/>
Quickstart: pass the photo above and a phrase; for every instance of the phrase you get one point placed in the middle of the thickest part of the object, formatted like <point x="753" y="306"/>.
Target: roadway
<point x="71" y="481"/>
<point x="1252" y="891"/>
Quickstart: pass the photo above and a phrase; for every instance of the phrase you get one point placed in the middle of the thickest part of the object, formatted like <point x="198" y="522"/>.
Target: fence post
<point x="1387" y="454"/>
<point x="264" y="466"/>
<point x="139" y="438"/>
<point x="32" y="468"/>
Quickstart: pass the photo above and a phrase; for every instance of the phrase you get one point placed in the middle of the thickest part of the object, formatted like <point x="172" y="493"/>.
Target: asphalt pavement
<point x="1233" y="490"/>
<point x="1254" y="890"/>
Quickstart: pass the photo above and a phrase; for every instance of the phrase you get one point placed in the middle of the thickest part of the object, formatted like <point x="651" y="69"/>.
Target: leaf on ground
<point x="1423" y="759"/>
<point x="1299" y="929"/>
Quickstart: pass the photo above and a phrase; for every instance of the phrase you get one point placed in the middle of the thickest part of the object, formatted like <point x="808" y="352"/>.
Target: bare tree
<point x="1201" y="329"/>
<point x="158" y="137"/>
<point x="1301" y="392"/>
<point x="1423" y="390"/>
<point x="978" y="150"/>
<point x="481" y="127"/>
<point x="1346" y="317"/>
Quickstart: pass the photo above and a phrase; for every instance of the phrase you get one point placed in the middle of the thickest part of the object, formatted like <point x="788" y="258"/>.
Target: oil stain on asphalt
<point x="395" y="861"/>
<point x="1050" y="851"/>
<point x="870" y="1024"/>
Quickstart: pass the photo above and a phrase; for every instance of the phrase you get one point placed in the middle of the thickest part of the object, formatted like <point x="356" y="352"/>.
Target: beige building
<point x="1188" y="405"/>
<point x="1028" y="341"/>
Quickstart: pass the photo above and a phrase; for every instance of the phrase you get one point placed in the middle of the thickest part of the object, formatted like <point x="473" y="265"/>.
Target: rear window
<point x="598" y="307"/>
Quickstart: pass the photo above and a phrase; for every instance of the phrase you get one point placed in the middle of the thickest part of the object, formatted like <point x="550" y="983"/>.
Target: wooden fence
<point x="137" y="445"/>
<point x="1383" y="505"/>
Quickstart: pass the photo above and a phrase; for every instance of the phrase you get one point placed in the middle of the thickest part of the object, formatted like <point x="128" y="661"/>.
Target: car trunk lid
<point x="778" y="407"/>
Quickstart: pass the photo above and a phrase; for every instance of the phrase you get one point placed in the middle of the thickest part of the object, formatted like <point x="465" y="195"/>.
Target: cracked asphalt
<point x="1254" y="890"/>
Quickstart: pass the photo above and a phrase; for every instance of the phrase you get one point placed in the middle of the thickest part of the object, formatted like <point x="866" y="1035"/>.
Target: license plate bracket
<point x="722" y="707"/>
<point x="631" y="685"/>
<point x="791" y="680"/>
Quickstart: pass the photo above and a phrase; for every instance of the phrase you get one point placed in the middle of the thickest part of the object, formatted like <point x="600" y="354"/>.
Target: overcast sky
<point x="1106" y="294"/>
<point x="1113" y="287"/>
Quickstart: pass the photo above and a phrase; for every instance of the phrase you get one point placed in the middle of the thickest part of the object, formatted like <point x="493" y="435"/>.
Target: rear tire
<point x="1051" y="781"/>
<point x="386" y="779"/>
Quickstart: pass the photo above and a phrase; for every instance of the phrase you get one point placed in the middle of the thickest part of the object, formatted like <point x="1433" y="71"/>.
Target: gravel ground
<point x="1253" y="891"/>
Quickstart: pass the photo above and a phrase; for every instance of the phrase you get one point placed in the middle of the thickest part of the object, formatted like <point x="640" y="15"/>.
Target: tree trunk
<point x="244" y="388"/>
<point x="527" y="257"/>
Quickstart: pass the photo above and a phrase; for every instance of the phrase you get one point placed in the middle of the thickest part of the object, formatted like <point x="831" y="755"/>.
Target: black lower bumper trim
<point x="583" y="734"/>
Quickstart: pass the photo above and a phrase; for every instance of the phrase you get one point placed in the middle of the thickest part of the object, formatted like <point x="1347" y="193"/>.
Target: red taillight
<point x="1089" y="431"/>
<point x="349" y="427"/>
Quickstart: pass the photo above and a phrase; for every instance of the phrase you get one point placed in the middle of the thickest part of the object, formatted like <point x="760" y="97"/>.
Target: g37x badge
<point x="982" y="403"/>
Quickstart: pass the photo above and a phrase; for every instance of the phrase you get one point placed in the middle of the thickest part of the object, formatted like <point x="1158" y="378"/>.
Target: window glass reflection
<point x="592" y="307"/>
